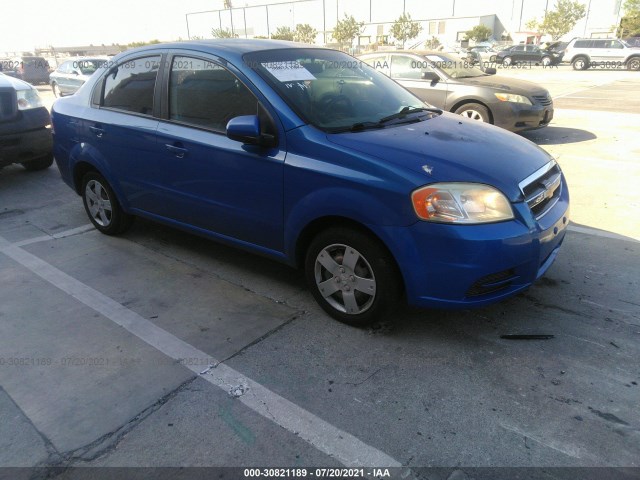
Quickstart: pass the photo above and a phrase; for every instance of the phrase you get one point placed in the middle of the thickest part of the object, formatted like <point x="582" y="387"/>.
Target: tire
<point x="474" y="111"/>
<point x="492" y="59"/>
<point x="102" y="206"/>
<point x="506" y="61"/>
<point x="580" y="63"/>
<point x="362" y="277"/>
<point x="633" y="63"/>
<point x="39" y="163"/>
<point x="546" y="61"/>
<point x="56" y="90"/>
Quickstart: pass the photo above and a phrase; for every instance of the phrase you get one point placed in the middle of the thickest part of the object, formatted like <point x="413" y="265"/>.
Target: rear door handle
<point x="99" y="132"/>
<point x="178" y="152"/>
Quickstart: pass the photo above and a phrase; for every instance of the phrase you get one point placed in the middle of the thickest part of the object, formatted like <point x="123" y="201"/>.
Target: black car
<point x="31" y="69"/>
<point x="71" y="74"/>
<point x="453" y="84"/>
<point x="531" y="54"/>
<point x="25" y="126"/>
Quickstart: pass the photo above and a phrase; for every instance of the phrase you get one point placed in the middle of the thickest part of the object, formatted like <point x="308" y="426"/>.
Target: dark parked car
<point x="25" y="126"/>
<point x="28" y="68"/>
<point x="71" y="74"/>
<point x="453" y="84"/>
<point x="527" y="54"/>
<point x="311" y="157"/>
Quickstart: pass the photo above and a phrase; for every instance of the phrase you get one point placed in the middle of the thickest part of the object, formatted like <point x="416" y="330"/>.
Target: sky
<point x="81" y="22"/>
<point x="41" y="23"/>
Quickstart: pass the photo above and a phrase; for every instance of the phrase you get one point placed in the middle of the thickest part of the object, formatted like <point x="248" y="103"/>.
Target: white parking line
<point x="67" y="233"/>
<point x="342" y="446"/>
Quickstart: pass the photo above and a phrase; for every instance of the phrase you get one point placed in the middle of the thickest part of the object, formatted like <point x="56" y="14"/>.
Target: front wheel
<point x="546" y="61"/>
<point x="352" y="276"/>
<point x="634" y="63"/>
<point x="506" y="62"/>
<point x="474" y="111"/>
<point x="56" y="90"/>
<point x="102" y="206"/>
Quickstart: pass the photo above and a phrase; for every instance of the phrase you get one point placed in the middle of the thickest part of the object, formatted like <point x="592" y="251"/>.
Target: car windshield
<point x="334" y="91"/>
<point x="454" y="67"/>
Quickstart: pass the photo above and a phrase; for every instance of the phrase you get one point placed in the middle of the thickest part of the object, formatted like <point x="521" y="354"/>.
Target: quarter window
<point x="206" y="94"/>
<point x="130" y="85"/>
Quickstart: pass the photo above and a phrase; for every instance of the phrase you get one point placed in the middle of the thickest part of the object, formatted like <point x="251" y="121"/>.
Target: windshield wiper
<point x="407" y="111"/>
<point x="356" y="127"/>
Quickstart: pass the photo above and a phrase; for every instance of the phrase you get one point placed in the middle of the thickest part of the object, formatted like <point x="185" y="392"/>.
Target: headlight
<point x="28" y="98"/>
<point x="466" y="203"/>
<point x="510" y="97"/>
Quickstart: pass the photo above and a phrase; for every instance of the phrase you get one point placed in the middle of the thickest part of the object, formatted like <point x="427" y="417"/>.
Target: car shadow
<point x="558" y="135"/>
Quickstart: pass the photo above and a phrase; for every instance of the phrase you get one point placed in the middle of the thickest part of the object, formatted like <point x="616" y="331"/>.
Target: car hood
<point x="505" y="84"/>
<point x="454" y="149"/>
<point x="16" y="83"/>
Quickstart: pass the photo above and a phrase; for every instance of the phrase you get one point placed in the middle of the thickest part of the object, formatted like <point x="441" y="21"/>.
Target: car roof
<point x="236" y="46"/>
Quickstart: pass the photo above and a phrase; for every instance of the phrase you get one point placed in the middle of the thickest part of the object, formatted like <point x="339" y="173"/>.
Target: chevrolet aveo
<point x="311" y="157"/>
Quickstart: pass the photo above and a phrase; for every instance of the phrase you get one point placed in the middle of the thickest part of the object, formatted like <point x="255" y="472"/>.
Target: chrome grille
<point x="542" y="189"/>
<point x="543" y="99"/>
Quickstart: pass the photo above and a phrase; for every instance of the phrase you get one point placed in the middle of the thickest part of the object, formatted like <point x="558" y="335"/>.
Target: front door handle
<point x="178" y="152"/>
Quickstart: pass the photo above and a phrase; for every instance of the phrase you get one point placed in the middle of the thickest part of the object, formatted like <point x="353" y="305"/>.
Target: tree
<point x="432" y="44"/>
<point x="630" y="23"/>
<point x="283" y="33"/>
<point x="142" y="44"/>
<point x="404" y="29"/>
<point x="305" y="33"/>
<point x="346" y="30"/>
<point x="223" y="33"/>
<point x="561" y="20"/>
<point x="479" y="33"/>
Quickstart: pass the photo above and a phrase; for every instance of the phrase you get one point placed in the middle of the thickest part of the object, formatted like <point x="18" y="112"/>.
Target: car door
<point x="533" y="54"/>
<point x="408" y="70"/>
<point x="614" y="51"/>
<point x="62" y="77"/>
<point x="75" y="78"/>
<point x="519" y="53"/>
<point x="120" y="131"/>
<point x="210" y="181"/>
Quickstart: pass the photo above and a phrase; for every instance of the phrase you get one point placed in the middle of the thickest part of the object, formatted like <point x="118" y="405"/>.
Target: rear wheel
<point x="39" y="163"/>
<point x="580" y="63"/>
<point x="102" y="206"/>
<point x="352" y="276"/>
<point x="474" y="111"/>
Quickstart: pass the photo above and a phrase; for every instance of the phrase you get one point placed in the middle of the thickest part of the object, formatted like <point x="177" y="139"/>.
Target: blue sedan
<point x="311" y="157"/>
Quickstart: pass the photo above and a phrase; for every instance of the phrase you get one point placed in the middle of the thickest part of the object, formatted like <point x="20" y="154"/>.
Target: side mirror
<point x="490" y="71"/>
<point x="431" y="76"/>
<point x="246" y="129"/>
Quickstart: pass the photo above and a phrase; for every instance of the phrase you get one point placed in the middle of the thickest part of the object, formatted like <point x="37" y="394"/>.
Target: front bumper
<point x="517" y="117"/>
<point x="25" y="146"/>
<point x="459" y="266"/>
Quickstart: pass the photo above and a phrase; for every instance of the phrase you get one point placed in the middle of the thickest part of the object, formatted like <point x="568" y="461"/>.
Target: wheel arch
<point x="465" y="101"/>
<point x="313" y="228"/>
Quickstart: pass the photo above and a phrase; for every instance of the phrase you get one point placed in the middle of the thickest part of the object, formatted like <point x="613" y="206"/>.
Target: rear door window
<point x="129" y="86"/>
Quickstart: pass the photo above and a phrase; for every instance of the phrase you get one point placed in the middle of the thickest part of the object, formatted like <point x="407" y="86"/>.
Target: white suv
<point x="583" y="53"/>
